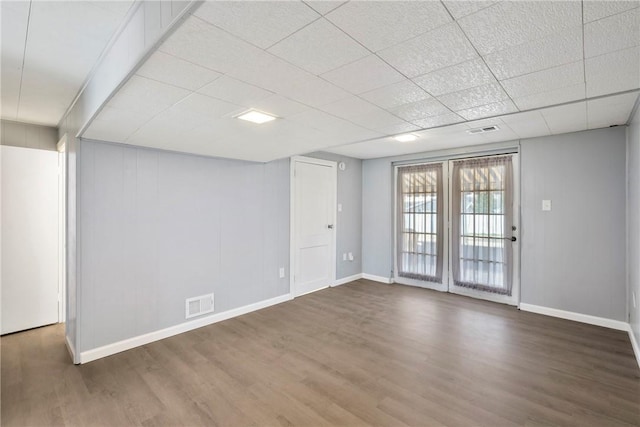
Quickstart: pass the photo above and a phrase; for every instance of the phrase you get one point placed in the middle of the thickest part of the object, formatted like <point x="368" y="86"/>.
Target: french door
<point x="456" y="226"/>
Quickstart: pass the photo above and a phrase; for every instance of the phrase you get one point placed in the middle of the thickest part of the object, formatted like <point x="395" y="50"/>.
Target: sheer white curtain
<point x="420" y="222"/>
<point x="482" y="220"/>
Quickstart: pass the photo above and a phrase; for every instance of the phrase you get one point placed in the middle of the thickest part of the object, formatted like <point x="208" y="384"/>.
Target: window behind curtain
<point x="482" y="217"/>
<point x="420" y="222"/>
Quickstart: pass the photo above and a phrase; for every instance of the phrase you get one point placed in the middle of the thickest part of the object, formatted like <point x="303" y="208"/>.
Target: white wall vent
<point x="483" y="130"/>
<point x="197" y="306"/>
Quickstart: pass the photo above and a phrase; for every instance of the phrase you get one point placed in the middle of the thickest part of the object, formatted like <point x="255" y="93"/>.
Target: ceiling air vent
<point x="199" y="305"/>
<point x="483" y="130"/>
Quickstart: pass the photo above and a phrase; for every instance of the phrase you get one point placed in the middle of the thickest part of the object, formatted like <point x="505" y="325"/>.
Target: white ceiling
<point x="340" y="73"/>
<point x="48" y="50"/>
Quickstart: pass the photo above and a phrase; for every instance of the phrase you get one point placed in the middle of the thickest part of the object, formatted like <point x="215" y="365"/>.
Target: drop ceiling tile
<point x="566" y="118"/>
<point x="395" y="95"/>
<point x="349" y="107"/>
<point x="380" y="24"/>
<point x="175" y="71"/>
<point x="202" y="43"/>
<point x="529" y="124"/>
<point x="613" y="72"/>
<point x="339" y="129"/>
<point x="489" y="110"/>
<point x="377" y="120"/>
<point x="106" y="131"/>
<point x="115" y="124"/>
<point x="556" y="49"/>
<point x="609" y="111"/>
<point x="460" y="9"/>
<point x="553" y="97"/>
<point x="397" y="128"/>
<point x="512" y="23"/>
<point x="318" y="48"/>
<point x="234" y="91"/>
<point x="546" y="80"/>
<point x="274" y="74"/>
<point x="442" y="120"/>
<point x="262" y="23"/>
<point x="455" y="78"/>
<point x="364" y="75"/>
<point x="280" y="106"/>
<point x="442" y="47"/>
<point x="202" y="105"/>
<point x="594" y="10"/>
<point x="324" y="6"/>
<point x="504" y="133"/>
<point x="613" y="33"/>
<point x="468" y="98"/>
<point x="142" y="94"/>
<point x="420" y="110"/>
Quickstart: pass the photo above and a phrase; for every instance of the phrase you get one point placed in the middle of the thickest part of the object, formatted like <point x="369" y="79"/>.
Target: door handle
<point x="512" y="238"/>
<point x="330" y="226"/>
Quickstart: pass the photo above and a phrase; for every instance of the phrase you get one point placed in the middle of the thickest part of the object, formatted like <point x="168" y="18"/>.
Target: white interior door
<point x="313" y="225"/>
<point x="30" y="243"/>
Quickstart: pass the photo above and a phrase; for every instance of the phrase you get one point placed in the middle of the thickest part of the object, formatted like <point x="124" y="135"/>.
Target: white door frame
<point x="514" y="299"/>
<point x="292" y="217"/>
<point x="444" y="205"/>
<point x="62" y="228"/>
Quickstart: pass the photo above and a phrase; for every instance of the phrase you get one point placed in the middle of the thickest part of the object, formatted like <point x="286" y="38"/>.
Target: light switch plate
<point x="339" y="207"/>
<point x="281" y="272"/>
<point x="546" y="205"/>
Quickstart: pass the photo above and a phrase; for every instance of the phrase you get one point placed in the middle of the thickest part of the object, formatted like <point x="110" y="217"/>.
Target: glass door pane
<point x="482" y="225"/>
<point x="420" y="225"/>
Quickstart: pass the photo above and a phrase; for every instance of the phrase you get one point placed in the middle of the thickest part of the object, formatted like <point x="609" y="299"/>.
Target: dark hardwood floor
<point x="359" y="354"/>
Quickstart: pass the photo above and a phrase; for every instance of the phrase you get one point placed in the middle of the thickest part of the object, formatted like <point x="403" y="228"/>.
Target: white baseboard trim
<point x="634" y="344"/>
<point x="347" y="279"/>
<point x="117" y="347"/>
<point x="377" y="278"/>
<point x="70" y="349"/>
<point x="577" y="317"/>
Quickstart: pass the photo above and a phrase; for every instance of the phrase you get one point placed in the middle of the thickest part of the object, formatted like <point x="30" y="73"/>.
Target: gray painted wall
<point x="27" y="135"/>
<point x="573" y="257"/>
<point x="633" y="222"/>
<point x="159" y="227"/>
<point x="349" y="226"/>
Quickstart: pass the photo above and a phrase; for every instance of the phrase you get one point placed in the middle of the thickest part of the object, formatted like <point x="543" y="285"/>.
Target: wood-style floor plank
<point x="356" y="355"/>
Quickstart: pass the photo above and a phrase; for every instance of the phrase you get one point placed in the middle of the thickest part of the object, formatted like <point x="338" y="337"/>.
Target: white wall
<point x="30" y="245"/>
<point x="159" y="227"/>
<point x="633" y="222"/>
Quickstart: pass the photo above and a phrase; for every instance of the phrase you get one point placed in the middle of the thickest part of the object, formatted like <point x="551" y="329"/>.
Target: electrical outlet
<point x="344" y="257"/>
<point x="633" y="298"/>
<point x="350" y="256"/>
<point x="339" y="207"/>
<point x="281" y="272"/>
<point x="546" y="205"/>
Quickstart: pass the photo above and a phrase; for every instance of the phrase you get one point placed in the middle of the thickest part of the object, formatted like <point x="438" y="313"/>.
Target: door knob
<point x="330" y="226"/>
